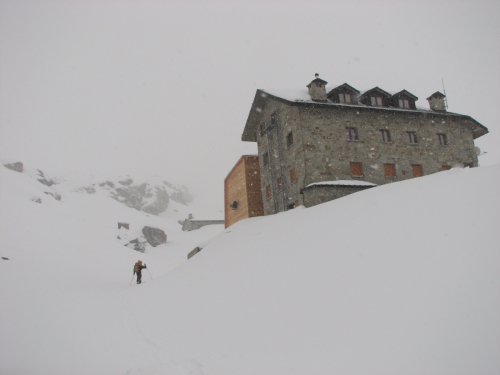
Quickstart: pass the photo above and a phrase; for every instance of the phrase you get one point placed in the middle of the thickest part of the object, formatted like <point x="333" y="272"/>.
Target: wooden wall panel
<point x="242" y="185"/>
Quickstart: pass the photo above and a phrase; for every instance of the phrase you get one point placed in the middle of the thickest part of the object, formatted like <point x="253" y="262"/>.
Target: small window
<point x="445" y="167"/>
<point x="412" y="138"/>
<point x="262" y="129"/>
<point x="293" y="175"/>
<point x="390" y="170"/>
<point x="273" y="118"/>
<point x="269" y="191"/>
<point x="443" y="139"/>
<point x="297" y="203"/>
<point x="345" y="98"/>
<point x="265" y="159"/>
<point x="386" y="137"/>
<point x="279" y="181"/>
<point x="376" y="100"/>
<point x="352" y="134"/>
<point x="289" y="139"/>
<point x="417" y="170"/>
<point x="404" y="103"/>
<point x="356" y="169"/>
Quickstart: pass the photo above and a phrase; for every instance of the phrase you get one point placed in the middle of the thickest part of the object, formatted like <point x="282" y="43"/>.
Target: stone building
<point x="316" y="145"/>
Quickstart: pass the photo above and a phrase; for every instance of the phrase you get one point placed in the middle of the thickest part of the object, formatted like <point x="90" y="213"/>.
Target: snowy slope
<point x="399" y="279"/>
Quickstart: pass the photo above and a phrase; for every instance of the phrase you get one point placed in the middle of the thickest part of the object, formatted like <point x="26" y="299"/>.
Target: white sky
<point x="165" y="87"/>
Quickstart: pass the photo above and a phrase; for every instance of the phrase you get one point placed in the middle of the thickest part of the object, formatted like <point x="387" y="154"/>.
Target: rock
<point x="56" y="196"/>
<point x="126" y="182"/>
<point x="137" y="244"/>
<point x="17" y="166"/>
<point x="37" y="199"/>
<point x="44" y="180"/>
<point x="144" y="197"/>
<point x="154" y="236"/>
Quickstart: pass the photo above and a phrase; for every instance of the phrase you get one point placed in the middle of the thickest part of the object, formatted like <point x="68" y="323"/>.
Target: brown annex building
<point x="316" y="145"/>
<point x="242" y="195"/>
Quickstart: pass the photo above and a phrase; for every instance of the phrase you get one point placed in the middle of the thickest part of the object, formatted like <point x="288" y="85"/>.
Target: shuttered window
<point x="417" y="170"/>
<point x="412" y="138"/>
<point x="390" y="170"/>
<point x="293" y="175"/>
<point x="269" y="191"/>
<point x="443" y="139"/>
<point x="445" y="167"/>
<point x="356" y="169"/>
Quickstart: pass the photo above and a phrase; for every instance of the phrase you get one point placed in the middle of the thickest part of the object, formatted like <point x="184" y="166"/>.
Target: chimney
<point x="317" y="89"/>
<point x="437" y="102"/>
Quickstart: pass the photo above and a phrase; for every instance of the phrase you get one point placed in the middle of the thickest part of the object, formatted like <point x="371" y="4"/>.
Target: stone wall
<point x="320" y="194"/>
<point x="322" y="152"/>
<point x="197" y="224"/>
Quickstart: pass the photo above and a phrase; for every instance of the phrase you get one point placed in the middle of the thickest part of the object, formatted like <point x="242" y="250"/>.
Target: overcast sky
<point x="165" y="87"/>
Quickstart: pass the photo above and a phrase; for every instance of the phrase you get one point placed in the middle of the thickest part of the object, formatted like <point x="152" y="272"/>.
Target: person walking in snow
<point x="138" y="267"/>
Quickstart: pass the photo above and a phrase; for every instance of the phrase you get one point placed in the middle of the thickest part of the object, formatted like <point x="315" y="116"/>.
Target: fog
<point x="165" y="87"/>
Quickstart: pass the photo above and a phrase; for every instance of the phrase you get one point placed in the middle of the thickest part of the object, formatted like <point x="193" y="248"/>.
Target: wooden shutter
<point x="390" y="170"/>
<point x="269" y="191"/>
<point x="293" y="175"/>
<point x="280" y="184"/>
<point x="446" y="167"/>
<point x="356" y="169"/>
<point x="417" y="170"/>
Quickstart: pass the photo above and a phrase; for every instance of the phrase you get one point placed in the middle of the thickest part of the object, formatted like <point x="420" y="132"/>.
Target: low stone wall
<point x="318" y="194"/>
<point x="197" y="224"/>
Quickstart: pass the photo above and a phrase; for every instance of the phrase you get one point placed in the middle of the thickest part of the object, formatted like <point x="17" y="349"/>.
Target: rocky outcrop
<point x="143" y="197"/>
<point x="56" y="196"/>
<point x="42" y="179"/>
<point x="137" y="244"/>
<point x="154" y="236"/>
<point x="17" y="166"/>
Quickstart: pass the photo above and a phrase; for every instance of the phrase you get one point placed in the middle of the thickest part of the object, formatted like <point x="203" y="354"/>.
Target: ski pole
<point x="131" y="280"/>
<point x="150" y="274"/>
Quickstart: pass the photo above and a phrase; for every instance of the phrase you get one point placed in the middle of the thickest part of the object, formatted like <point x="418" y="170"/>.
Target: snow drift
<point x="399" y="279"/>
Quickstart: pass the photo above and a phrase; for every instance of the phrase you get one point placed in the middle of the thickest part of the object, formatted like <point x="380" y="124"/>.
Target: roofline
<point x="261" y="96"/>
<point x="240" y="160"/>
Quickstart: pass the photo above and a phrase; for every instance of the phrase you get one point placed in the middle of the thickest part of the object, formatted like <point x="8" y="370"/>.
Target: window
<point x="356" y="169"/>
<point x="289" y="139"/>
<point x="279" y="181"/>
<point x="265" y="159"/>
<point x="352" y="134"/>
<point x="376" y="100"/>
<point x="412" y="138"/>
<point x="293" y="175"/>
<point x="445" y="167"/>
<point x="262" y="129"/>
<point x="273" y="118"/>
<point x="386" y="137"/>
<point x="417" y="170"/>
<point x="443" y="139"/>
<point x="269" y="191"/>
<point x="345" y="98"/>
<point x="390" y="170"/>
<point x="404" y="103"/>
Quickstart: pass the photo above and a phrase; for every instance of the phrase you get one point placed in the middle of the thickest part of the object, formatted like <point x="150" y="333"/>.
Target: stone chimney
<point x="437" y="102"/>
<point x="317" y="89"/>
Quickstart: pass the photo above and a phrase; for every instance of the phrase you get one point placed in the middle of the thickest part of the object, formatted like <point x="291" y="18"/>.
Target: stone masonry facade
<point x="301" y="142"/>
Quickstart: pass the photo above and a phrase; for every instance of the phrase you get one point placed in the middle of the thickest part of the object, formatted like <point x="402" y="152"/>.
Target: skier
<point x="138" y="267"/>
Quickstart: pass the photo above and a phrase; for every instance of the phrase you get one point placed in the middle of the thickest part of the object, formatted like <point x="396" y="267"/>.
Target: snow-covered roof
<point x="342" y="183"/>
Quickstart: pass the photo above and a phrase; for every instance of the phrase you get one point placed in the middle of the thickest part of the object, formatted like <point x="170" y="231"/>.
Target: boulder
<point x="137" y="244"/>
<point x="17" y="166"/>
<point x="154" y="236"/>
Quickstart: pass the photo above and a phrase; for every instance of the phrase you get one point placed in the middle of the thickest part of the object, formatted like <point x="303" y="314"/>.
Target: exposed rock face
<point x="137" y="244"/>
<point x="154" y="236"/>
<point x="56" y="196"/>
<point x="144" y="197"/>
<point x="44" y="180"/>
<point x="181" y="194"/>
<point x="17" y="166"/>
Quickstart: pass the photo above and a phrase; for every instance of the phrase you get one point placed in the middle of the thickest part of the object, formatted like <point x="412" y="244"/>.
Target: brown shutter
<point x="356" y="169"/>
<point x="446" y="167"/>
<point x="417" y="170"/>
<point x="293" y="175"/>
<point x="390" y="170"/>
<point x="269" y="191"/>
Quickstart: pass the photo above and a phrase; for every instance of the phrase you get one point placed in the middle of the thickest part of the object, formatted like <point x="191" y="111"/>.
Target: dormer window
<point x="345" y="98"/>
<point x="376" y="100"/>
<point x="404" y="103"/>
